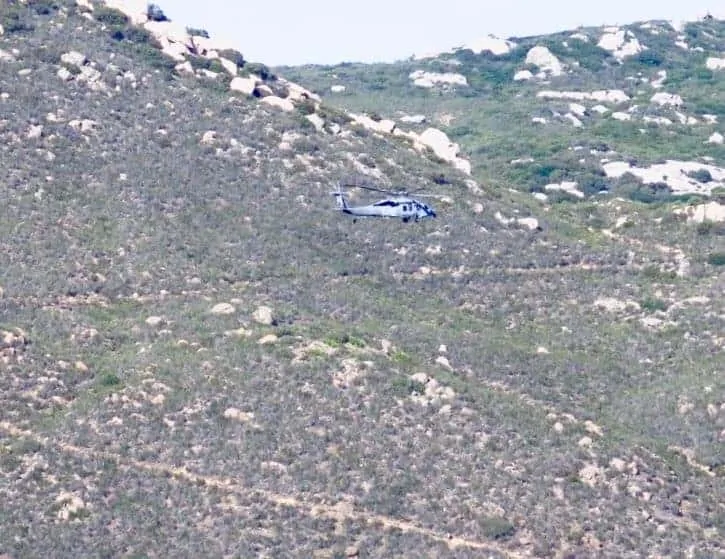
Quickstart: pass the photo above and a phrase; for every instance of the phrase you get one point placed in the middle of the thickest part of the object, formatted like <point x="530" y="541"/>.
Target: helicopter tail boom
<point x="340" y="197"/>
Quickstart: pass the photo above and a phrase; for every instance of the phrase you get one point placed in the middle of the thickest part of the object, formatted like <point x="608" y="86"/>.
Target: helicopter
<point x="399" y="204"/>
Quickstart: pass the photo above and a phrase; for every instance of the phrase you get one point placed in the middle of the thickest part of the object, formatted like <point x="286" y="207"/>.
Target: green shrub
<point x="497" y="528"/>
<point x="306" y="107"/>
<point x="716" y="259"/>
<point x="110" y="16"/>
<point x="261" y="70"/>
<point x="701" y="175"/>
<point x="653" y="304"/>
<point x="15" y="19"/>
<point x="233" y="55"/>
<point x="155" y="13"/>
<point x="43" y="7"/>
<point x="194" y="32"/>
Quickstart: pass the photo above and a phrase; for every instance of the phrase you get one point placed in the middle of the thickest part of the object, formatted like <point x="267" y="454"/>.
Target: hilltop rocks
<point x="543" y="58"/>
<point x="492" y="44"/>
<point x="442" y="146"/>
<point x="430" y="79"/>
<point x="621" y="43"/>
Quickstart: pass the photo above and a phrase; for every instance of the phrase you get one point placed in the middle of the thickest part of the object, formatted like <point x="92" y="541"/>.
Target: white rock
<point x="64" y="74"/>
<point x="208" y="137"/>
<point x="577" y="109"/>
<point x="522" y="75"/>
<point x="238" y="415"/>
<point x="672" y="172"/>
<point x="184" y="68"/>
<point x="443" y="362"/>
<point x="715" y="138"/>
<point x="621" y="116"/>
<point x="316" y="120"/>
<point x="34" y="132"/>
<point x="85" y="125"/>
<point x="615" y="96"/>
<point x="73" y="58"/>
<point x="337" y="88"/>
<point x="574" y="120"/>
<point x="263" y="315"/>
<point x="713" y="63"/>
<point x="444" y="148"/>
<point x="422" y="78"/>
<point x="565" y="186"/>
<point x="274" y="101"/>
<point x="492" y="44"/>
<point x="667" y="99"/>
<point x="243" y="84"/>
<point x="542" y="57"/>
<point x="712" y="211"/>
<point x="614" y="305"/>
<point x="620" y="43"/>
<point x="529" y="222"/>
<point x="154" y="320"/>
<point x="413" y="119"/>
<point x="228" y="65"/>
<point x="223" y="308"/>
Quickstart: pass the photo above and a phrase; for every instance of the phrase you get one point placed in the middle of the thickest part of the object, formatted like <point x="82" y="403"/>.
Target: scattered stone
<point x="263" y="315"/>
<point x="223" y="308"/>
<point x="240" y="332"/>
<point x="154" y="321"/>
<point x="73" y="58"/>
<point x="208" y="137"/>
<point x="238" y="415"/>
<point x="34" y="132"/>
<point x="591" y="474"/>
<point x="593" y="428"/>
<point x="268" y="339"/>
<point x="443" y="362"/>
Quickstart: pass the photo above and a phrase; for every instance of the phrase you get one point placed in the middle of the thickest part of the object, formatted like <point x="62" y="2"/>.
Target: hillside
<point x="199" y="356"/>
<point x="623" y="99"/>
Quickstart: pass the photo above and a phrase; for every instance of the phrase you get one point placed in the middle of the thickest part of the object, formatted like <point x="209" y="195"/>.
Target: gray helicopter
<point x="399" y="205"/>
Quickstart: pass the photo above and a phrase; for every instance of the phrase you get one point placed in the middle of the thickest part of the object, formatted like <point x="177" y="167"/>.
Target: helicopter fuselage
<point x="400" y="207"/>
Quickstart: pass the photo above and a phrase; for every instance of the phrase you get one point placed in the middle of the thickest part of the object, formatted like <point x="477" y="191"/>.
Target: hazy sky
<point x="278" y="32"/>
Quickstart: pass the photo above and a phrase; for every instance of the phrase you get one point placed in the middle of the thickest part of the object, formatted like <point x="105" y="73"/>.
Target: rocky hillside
<point x="634" y="110"/>
<point x="199" y="356"/>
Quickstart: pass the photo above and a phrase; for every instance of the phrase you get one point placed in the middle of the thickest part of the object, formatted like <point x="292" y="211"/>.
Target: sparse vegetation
<point x="196" y="351"/>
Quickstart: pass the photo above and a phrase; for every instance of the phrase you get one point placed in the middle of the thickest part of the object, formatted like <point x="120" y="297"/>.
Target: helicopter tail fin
<point x="340" y="196"/>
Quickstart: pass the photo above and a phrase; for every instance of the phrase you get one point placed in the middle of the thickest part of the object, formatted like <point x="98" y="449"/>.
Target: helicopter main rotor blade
<point x="376" y="189"/>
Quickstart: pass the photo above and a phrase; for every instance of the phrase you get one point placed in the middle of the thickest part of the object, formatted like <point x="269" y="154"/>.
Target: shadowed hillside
<point x="200" y="356"/>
